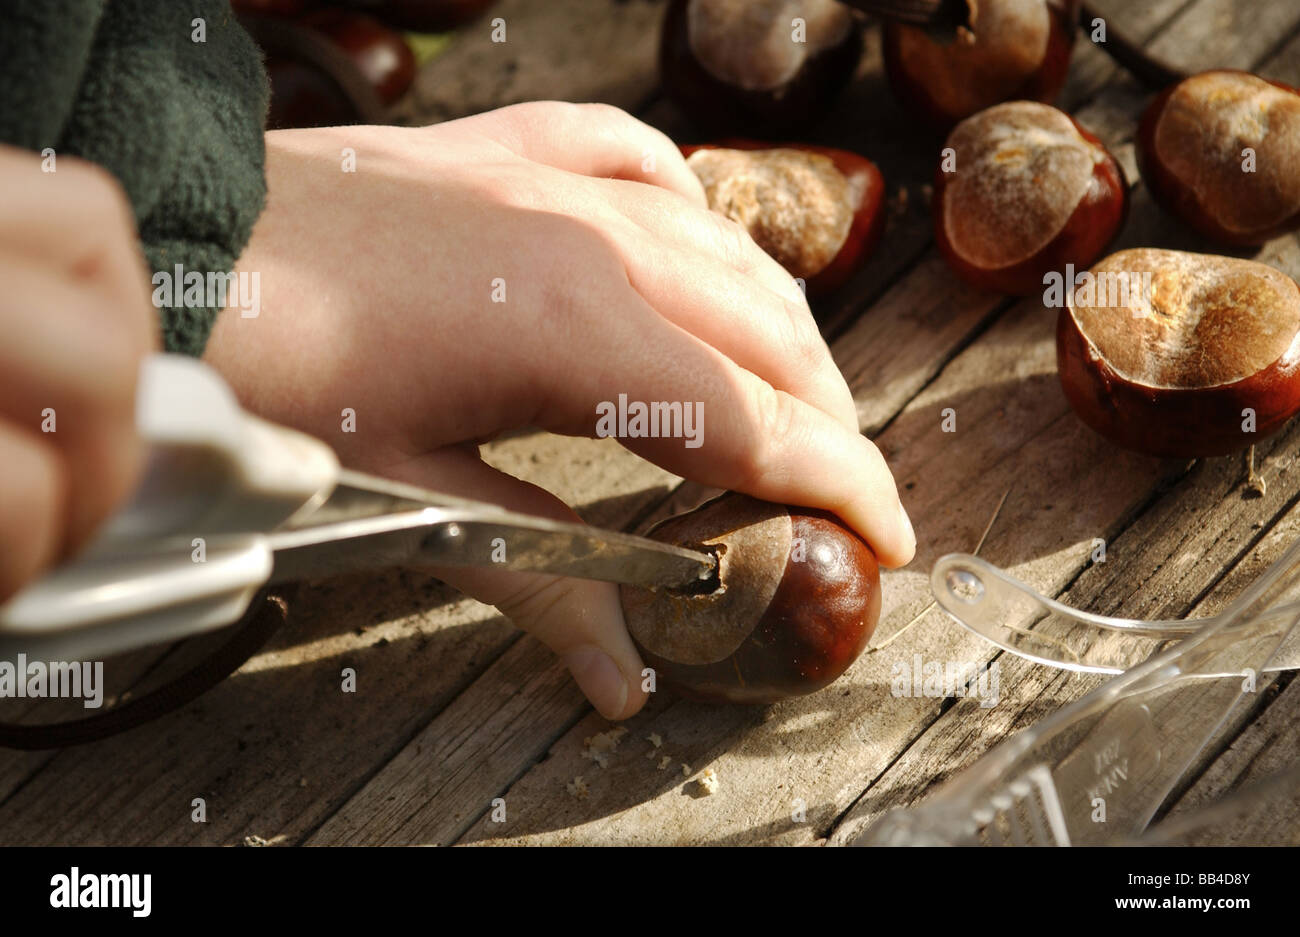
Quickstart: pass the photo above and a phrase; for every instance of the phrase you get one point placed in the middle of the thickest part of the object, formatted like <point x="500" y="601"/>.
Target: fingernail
<point x="599" y="679"/>
<point x="909" y="532"/>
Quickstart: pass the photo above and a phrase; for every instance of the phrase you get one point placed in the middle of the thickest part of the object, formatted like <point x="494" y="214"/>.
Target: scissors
<point x="231" y="503"/>
<point x="1098" y="770"/>
<point x="987" y="601"/>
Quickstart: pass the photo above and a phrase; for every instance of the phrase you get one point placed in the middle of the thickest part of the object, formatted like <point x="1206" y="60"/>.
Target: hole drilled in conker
<point x="786" y="621"/>
<point x="706" y="585"/>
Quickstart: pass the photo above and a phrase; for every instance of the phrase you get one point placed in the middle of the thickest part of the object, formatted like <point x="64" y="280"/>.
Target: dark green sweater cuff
<point x="179" y="121"/>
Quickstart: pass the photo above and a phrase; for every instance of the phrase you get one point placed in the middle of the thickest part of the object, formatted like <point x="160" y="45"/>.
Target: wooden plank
<point x="1267" y="749"/>
<point x="566" y="50"/>
<point x="121" y="673"/>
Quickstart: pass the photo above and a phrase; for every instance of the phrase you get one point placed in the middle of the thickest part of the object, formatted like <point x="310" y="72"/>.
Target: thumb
<point x="580" y="619"/>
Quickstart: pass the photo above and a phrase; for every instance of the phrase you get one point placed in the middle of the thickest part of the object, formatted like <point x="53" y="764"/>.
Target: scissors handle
<point x="187" y="553"/>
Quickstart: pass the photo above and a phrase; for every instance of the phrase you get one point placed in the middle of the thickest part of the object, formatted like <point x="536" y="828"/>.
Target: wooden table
<point x="462" y="730"/>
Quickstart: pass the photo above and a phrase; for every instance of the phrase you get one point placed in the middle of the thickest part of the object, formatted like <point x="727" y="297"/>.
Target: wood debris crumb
<point x="578" y="787"/>
<point x="686" y="770"/>
<point x="665" y="761"/>
<point x="599" y="747"/>
<point x="709" y="781"/>
<point x="255" y="840"/>
<point x="655" y="739"/>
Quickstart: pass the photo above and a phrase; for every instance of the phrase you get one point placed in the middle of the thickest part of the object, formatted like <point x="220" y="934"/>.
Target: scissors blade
<point x="370" y="523"/>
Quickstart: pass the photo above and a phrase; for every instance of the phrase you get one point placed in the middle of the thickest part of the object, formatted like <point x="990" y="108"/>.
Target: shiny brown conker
<point x="736" y="66"/>
<point x="796" y="601"/>
<point x="379" y="53"/>
<point x="1011" y="49"/>
<point x="1177" y="354"/>
<point x="1022" y="190"/>
<point x="816" y="210"/>
<point x="1221" y="152"/>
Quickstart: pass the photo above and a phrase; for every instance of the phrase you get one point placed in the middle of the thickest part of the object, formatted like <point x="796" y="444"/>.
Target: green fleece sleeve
<point x="171" y="98"/>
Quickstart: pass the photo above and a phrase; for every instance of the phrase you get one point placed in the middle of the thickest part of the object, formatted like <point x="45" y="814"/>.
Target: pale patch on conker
<point x="1208" y="121"/>
<point x="983" y="65"/>
<point x="1208" y="320"/>
<point x="750" y="44"/>
<point x="754" y="538"/>
<point x="1022" y="169"/>
<point x="796" y="205"/>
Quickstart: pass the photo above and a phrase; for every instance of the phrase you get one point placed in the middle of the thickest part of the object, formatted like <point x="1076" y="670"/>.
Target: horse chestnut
<point x="748" y="66"/>
<point x="303" y="95"/>
<point x="1012" y="49"/>
<point x="1030" y="192"/>
<point x="1177" y="354"/>
<point x="797" y="598"/>
<point x="818" y="211"/>
<point x="379" y="53"/>
<point x="1221" y="152"/>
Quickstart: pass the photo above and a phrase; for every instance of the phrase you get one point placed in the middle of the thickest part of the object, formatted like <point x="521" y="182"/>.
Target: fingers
<point x="31" y="499"/>
<point x="581" y="620"/>
<point x="749" y="435"/>
<point x="702" y="232"/>
<point x="76" y="220"/>
<point x="764" y="332"/>
<point x="592" y="140"/>
<point x="68" y="376"/>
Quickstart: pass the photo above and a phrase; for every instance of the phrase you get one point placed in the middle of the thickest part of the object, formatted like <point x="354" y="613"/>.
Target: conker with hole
<point x="1198" y="356"/>
<point x="1221" y="152"/>
<point x="379" y="53"/>
<point x="1011" y="50"/>
<point x="818" y="211"/>
<point x="1030" y="192"/>
<point x="735" y="66"/>
<point x="797" y="598"/>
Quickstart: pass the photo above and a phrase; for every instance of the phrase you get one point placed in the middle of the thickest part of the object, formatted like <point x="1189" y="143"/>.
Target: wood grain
<point x="455" y="709"/>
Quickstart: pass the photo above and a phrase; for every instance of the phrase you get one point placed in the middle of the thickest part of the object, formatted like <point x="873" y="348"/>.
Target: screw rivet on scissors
<point x="964" y="585"/>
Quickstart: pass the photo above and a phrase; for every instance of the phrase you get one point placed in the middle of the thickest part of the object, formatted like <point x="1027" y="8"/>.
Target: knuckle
<point x="607" y="113"/>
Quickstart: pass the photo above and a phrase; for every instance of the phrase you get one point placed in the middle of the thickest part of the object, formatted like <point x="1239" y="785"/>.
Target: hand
<point x="75" y="320"/>
<point x="377" y="294"/>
